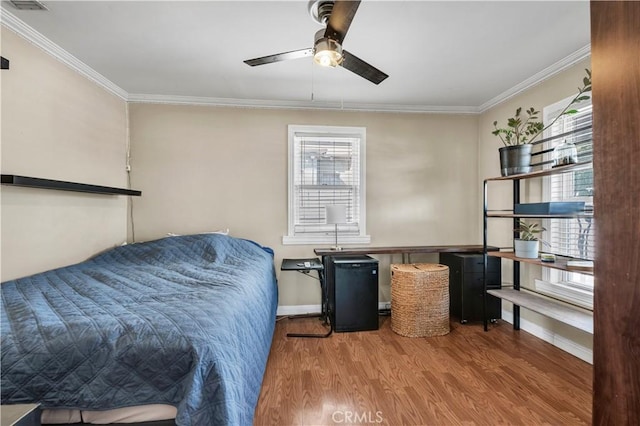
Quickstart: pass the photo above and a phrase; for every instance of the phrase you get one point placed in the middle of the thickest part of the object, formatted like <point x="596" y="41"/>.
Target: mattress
<point x="142" y="413"/>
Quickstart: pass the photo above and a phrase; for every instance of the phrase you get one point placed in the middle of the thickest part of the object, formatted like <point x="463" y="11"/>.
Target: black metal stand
<point x="305" y="266"/>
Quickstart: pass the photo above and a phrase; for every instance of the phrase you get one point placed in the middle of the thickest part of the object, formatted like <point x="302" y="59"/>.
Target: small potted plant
<point x="527" y="245"/>
<point x="523" y="129"/>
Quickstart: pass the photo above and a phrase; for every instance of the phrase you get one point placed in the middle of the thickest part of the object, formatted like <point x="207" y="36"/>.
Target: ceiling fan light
<point x="328" y="53"/>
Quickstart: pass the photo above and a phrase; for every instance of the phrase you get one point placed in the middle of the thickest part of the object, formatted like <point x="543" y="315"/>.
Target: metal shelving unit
<point x="553" y="308"/>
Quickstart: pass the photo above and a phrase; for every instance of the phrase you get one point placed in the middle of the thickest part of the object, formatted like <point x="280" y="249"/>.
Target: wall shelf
<point x="540" y="216"/>
<point x="560" y="263"/>
<point x="61" y="185"/>
<point x="549" y="307"/>
<point x="545" y="172"/>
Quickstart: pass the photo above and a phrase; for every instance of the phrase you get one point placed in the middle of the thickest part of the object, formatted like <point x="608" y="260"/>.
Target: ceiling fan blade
<point x="363" y="69"/>
<point x="285" y="56"/>
<point x="340" y="19"/>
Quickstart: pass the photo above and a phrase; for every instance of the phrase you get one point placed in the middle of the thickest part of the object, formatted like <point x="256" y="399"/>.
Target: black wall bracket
<point x="5" y="63"/>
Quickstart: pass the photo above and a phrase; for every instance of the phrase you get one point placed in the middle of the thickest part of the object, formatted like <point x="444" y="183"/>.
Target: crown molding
<point x="538" y="78"/>
<point x="16" y="25"/>
<point x="13" y="23"/>
<point x="276" y="104"/>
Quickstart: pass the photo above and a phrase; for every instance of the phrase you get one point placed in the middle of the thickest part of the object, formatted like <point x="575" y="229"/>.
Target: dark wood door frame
<point x="615" y="61"/>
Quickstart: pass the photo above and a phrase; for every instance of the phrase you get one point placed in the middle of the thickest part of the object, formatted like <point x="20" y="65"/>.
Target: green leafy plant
<point x="529" y="231"/>
<point x="525" y="128"/>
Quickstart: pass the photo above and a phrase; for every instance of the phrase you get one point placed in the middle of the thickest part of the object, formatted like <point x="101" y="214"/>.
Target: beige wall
<point x="207" y="168"/>
<point x="561" y="86"/>
<point x="56" y="124"/>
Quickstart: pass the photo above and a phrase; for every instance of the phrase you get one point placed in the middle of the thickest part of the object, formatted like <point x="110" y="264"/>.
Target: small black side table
<point x="305" y="266"/>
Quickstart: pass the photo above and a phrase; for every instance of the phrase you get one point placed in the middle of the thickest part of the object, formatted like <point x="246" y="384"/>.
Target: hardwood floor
<point x="378" y="377"/>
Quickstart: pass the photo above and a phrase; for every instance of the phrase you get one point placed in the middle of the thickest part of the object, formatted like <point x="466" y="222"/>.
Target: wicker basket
<point x="420" y="299"/>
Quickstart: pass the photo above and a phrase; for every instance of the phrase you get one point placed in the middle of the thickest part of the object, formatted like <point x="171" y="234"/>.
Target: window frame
<point x="572" y="287"/>
<point x="329" y="238"/>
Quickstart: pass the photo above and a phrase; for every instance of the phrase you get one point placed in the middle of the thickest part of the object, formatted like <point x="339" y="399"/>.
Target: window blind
<point x="326" y="171"/>
<point x="573" y="237"/>
<point x="570" y="237"/>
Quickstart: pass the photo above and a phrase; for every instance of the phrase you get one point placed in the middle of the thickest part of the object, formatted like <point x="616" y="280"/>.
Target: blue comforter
<point x="185" y="321"/>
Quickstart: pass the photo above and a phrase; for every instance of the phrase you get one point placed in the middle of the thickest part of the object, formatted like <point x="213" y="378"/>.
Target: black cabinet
<point x="466" y="285"/>
<point x="352" y="284"/>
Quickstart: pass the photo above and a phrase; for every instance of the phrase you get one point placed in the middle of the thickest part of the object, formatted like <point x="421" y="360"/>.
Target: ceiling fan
<point x="327" y="48"/>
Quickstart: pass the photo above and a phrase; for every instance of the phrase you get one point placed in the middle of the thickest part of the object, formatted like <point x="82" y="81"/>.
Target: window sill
<point x="324" y="240"/>
<point x="566" y="293"/>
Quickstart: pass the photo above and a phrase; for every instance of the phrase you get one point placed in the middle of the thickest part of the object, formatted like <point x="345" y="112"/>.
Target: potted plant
<point x="527" y="245"/>
<point x="523" y="129"/>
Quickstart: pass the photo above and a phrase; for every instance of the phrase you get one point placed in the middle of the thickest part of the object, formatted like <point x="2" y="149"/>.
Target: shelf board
<point x="573" y="316"/>
<point x="560" y="263"/>
<point x="403" y="250"/>
<point x="500" y="213"/>
<point x="545" y="172"/>
<point x="32" y="182"/>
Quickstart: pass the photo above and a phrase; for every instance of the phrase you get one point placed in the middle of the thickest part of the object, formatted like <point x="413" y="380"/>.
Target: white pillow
<point x="220" y="231"/>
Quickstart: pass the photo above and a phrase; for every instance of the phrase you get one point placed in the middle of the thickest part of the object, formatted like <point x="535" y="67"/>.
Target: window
<point x="570" y="237"/>
<point x="326" y="167"/>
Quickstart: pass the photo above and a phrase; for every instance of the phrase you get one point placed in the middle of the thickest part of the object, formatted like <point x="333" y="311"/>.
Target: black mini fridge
<point x="352" y="285"/>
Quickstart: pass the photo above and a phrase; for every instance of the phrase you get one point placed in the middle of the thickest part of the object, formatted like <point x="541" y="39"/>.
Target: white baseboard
<point x="569" y="346"/>
<point x="297" y="310"/>
<point x="310" y="309"/>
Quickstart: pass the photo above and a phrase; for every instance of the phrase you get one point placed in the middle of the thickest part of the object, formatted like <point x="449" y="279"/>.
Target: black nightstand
<point x="305" y="266"/>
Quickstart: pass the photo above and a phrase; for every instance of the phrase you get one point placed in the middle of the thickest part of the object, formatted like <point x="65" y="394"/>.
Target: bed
<point x="183" y="321"/>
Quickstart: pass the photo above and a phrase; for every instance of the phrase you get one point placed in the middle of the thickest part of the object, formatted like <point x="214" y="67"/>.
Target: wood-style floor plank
<point x="468" y="377"/>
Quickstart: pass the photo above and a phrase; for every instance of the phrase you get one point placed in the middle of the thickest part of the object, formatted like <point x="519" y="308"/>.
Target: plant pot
<point x="526" y="249"/>
<point x="515" y="159"/>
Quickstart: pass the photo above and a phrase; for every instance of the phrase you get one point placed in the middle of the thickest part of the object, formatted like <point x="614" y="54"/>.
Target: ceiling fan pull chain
<point x="312" y="78"/>
<point x="342" y="76"/>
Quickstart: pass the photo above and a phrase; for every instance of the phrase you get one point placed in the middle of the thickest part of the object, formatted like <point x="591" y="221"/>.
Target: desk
<point x="404" y="250"/>
<point x="312" y="264"/>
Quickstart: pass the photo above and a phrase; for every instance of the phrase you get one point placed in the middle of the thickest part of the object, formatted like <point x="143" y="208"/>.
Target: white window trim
<point x="566" y="291"/>
<point x="290" y="238"/>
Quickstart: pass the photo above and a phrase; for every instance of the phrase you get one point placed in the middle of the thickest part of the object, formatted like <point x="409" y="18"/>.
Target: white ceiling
<point x="440" y="55"/>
